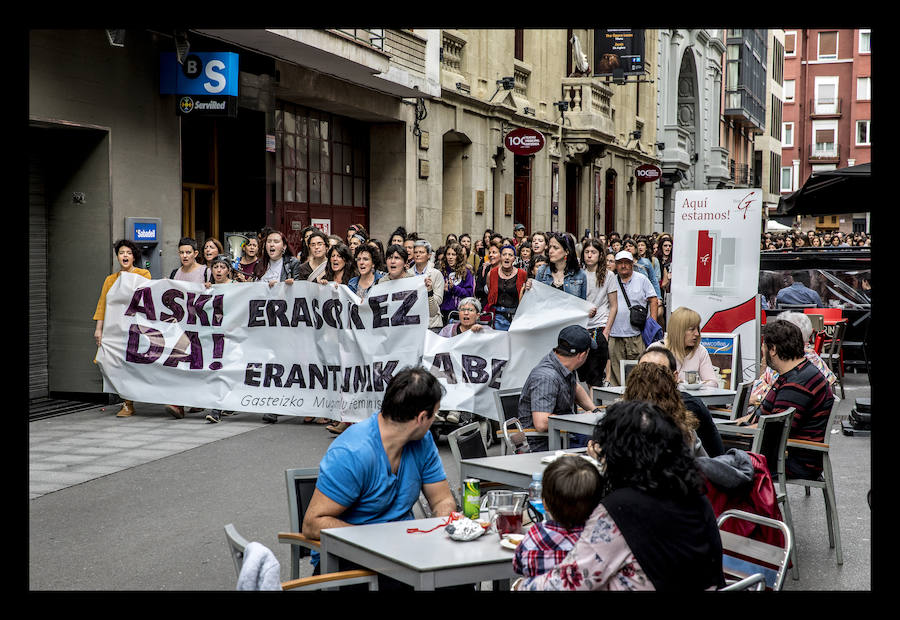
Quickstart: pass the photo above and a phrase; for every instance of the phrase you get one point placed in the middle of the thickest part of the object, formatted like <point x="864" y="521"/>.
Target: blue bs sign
<point x="205" y="85"/>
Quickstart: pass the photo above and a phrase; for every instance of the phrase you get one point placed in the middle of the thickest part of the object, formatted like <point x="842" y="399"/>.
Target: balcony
<point x="825" y="108"/>
<point x="590" y="107"/>
<point x="739" y="174"/>
<point x="742" y="108"/>
<point x="825" y="153"/>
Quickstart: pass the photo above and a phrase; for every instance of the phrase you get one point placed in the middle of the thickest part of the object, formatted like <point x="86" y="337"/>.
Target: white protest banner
<point x="541" y="315"/>
<point x="715" y="263"/>
<point x="299" y="349"/>
<point x="472" y="366"/>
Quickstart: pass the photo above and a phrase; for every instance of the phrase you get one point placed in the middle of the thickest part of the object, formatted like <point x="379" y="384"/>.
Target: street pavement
<point x="140" y="503"/>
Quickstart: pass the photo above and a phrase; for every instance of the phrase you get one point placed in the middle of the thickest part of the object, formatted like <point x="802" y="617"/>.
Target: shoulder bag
<point x="637" y="314"/>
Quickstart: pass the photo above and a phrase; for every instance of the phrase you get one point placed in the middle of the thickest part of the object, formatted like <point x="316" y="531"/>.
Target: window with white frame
<point x="826" y="89"/>
<point x="790" y="43"/>
<point x="863" y="88"/>
<point x="825" y="138"/>
<point x="787" y="135"/>
<point x="863" y="133"/>
<point x="789" y="91"/>
<point x="787" y="179"/>
<point x="865" y="41"/>
<point x="828" y="45"/>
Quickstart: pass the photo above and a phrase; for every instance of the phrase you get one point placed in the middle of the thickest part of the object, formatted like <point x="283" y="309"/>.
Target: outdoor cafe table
<point x="709" y="396"/>
<point x="423" y="560"/>
<point x="580" y="423"/>
<point x="510" y="469"/>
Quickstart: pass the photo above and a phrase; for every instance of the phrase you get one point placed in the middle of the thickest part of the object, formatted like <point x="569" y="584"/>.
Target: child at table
<point x="572" y="486"/>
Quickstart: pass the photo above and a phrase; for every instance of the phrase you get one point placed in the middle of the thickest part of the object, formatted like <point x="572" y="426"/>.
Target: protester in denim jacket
<point x="563" y="271"/>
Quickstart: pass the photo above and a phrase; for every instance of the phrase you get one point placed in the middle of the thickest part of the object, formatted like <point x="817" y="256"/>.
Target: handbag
<point x="637" y="314"/>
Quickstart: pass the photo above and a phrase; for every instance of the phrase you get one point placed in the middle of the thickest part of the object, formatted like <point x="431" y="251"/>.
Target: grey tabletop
<point x="709" y="396"/>
<point x="510" y="469"/>
<point x="581" y="423"/>
<point x="423" y="560"/>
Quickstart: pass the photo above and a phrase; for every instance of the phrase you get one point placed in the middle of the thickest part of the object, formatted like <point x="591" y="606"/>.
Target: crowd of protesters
<point x="490" y="272"/>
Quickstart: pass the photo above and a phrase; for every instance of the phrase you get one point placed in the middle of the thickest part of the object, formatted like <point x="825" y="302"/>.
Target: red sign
<point x="524" y="141"/>
<point x="647" y="173"/>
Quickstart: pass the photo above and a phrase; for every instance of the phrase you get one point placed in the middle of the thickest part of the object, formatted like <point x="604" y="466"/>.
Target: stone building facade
<point x="687" y="114"/>
<point x="583" y="179"/>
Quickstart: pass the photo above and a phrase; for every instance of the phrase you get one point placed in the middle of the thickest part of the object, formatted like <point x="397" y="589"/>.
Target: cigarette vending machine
<point x="145" y="232"/>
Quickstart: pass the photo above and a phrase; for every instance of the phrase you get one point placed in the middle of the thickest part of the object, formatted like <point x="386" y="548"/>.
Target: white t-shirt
<point x="639" y="291"/>
<point x="273" y="273"/>
<point x="599" y="296"/>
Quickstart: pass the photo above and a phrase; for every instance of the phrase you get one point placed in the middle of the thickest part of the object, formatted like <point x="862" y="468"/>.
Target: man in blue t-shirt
<point x="374" y="471"/>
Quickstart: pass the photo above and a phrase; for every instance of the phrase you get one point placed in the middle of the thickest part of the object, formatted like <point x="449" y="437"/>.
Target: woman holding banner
<point x="278" y="263"/>
<point x="367" y="258"/>
<point x="212" y="248"/>
<point x="602" y="293"/>
<point x="221" y="274"/>
<point x="245" y="265"/>
<point x="127" y="253"/>
<point x="505" y="284"/>
<point x="339" y="265"/>
<point x="562" y="272"/>
<point x="458" y="279"/>
<point x="491" y="260"/>
<point x="395" y="260"/>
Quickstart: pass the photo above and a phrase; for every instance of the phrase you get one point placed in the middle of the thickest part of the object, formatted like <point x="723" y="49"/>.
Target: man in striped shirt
<point x="799" y="385"/>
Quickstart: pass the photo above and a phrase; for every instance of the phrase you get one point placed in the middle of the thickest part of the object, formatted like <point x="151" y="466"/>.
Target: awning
<point x="772" y="225"/>
<point x="845" y="190"/>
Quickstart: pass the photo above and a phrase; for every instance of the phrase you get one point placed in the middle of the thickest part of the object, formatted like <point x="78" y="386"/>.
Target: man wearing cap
<point x="518" y="234"/>
<point x="552" y="387"/>
<point x="625" y="340"/>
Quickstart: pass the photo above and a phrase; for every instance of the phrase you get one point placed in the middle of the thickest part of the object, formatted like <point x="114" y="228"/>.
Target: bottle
<point x="535" y="492"/>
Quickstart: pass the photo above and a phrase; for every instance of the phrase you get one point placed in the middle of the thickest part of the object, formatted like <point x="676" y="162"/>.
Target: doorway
<point x="572" y="200"/>
<point x="69" y="215"/>
<point x="610" y="201"/>
<point x="223" y="175"/>
<point x="522" y="192"/>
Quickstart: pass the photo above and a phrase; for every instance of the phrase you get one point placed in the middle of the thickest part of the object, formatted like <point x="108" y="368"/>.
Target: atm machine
<point x="145" y="233"/>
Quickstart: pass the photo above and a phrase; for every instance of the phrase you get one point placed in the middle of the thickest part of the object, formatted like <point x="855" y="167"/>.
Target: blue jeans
<point x="501" y="322"/>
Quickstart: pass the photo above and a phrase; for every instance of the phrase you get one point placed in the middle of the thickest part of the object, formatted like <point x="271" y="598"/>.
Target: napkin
<point x="465" y="529"/>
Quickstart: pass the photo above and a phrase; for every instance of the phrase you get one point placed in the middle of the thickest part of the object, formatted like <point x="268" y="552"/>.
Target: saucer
<point x="511" y="541"/>
<point x="691" y="386"/>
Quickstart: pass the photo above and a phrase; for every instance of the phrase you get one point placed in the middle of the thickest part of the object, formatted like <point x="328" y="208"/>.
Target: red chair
<point x="832" y="316"/>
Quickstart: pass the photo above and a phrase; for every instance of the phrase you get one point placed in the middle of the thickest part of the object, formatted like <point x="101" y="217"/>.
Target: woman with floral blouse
<point x="654" y="529"/>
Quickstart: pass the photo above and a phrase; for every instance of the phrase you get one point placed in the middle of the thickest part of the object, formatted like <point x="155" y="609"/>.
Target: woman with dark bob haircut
<point x="654" y="529"/>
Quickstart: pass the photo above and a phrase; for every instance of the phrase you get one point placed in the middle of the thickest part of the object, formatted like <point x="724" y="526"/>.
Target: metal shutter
<point x="38" y="376"/>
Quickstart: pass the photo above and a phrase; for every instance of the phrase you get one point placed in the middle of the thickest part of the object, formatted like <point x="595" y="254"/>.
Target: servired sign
<point x="647" y="173"/>
<point x="524" y="141"/>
